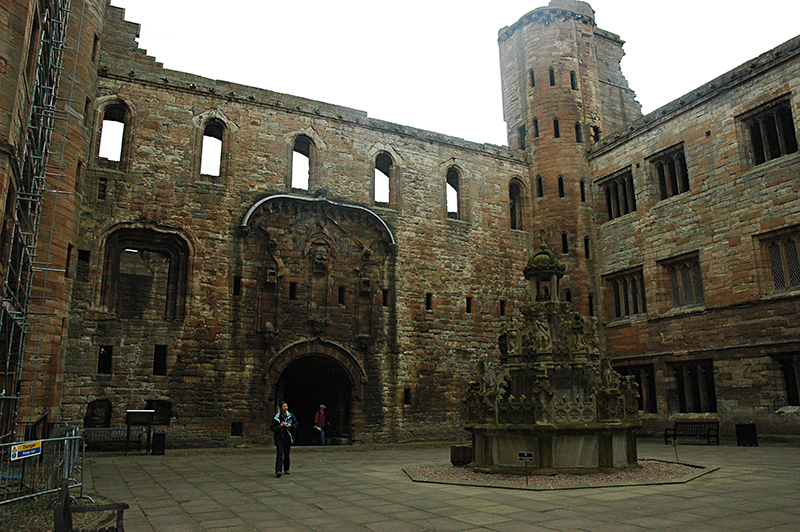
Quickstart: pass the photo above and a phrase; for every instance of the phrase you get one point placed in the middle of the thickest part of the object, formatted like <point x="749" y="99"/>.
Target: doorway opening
<point x="309" y="382"/>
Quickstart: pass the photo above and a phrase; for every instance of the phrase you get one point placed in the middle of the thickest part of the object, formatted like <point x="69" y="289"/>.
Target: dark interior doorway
<point x="313" y="380"/>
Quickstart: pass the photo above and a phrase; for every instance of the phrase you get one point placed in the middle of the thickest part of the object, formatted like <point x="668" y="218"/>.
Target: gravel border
<point x="650" y="472"/>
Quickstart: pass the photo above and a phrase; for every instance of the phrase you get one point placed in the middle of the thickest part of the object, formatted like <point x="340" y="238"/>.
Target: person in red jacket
<point x="320" y="422"/>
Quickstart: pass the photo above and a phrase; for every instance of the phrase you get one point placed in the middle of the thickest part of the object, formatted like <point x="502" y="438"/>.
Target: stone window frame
<point x="789" y="366"/>
<point x="645" y="377"/>
<point x="627" y="295"/>
<point x="305" y="145"/>
<point x="683" y="281"/>
<point x="218" y="129"/>
<point x="170" y="244"/>
<point x="619" y="192"/>
<point x="119" y="110"/>
<point x="695" y="386"/>
<point x="780" y="260"/>
<point x="769" y="131"/>
<point x="517" y="204"/>
<point x="390" y="171"/>
<point x="456" y="177"/>
<point x="535" y="123"/>
<point x="670" y="171"/>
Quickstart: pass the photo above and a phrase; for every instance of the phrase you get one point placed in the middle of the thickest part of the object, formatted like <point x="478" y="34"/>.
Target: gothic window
<point x="556" y="129"/>
<point x="515" y="205"/>
<point x="453" y="193"/>
<point x="695" y="386"/>
<point x="145" y="274"/>
<point x="790" y="369"/>
<point x="627" y="291"/>
<point x="573" y="80"/>
<point x="552" y="73"/>
<point x="620" y="197"/>
<point x="302" y="162"/>
<point x="211" y="149"/>
<point x="114" y="136"/>
<point x="784" y="261"/>
<point x="670" y="171"/>
<point x="685" y="282"/>
<point x="771" y="131"/>
<point x="384" y="177"/>
<point x="644" y="375"/>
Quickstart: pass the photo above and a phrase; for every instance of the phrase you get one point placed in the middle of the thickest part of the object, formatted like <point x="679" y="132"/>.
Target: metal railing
<point x="31" y="468"/>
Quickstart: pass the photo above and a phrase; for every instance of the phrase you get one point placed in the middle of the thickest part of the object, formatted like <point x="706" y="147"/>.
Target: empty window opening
<point x="573" y="80"/>
<point x="772" y="132"/>
<point x="95" y="47"/>
<point x="552" y="73"/>
<point x="556" y="129"/>
<point x="102" y="188"/>
<point x="292" y="290"/>
<point x="568" y="295"/>
<point x="521" y="133"/>
<point x="564" y="243"/>
<point x="533" y="78"/>
<point x="237" y="428"/>
<point x="407" y="396"/>
<point x="301" y="163"/>
<point x="211" y="157"/>
<point x="469" y="305"/>
<point x="237" y="285"/>
<point x="385" y="297"/>
<point x="87" y="106"/>
<point x="67" y="263"/>
<point x="105" y="357"/>
<point x="591" y="304"/>
<point x="112" y="133"/>
<point x="341" y="295"/>
<point x="539" y="187"/>
<point x="578" y="132"/>
<point x="160" y="360"/>
<point x="790" y="368"/>
<point x="583" y="191"/>
<point x="453" y="193"/>
<point x="596" y="133"/>
<point x="695" y="386"/>
<point x="644" y="376"/>
<point x="536" y="128"/>
<point x="502" y="307"/>
<point x="586" y="247"/>
<point x="515" y="205"/>
<point x="383" y="173"/>
<point x="561" y="187"/>
<point x="429" y="301"/>
<point x="671" y="172"/>
<point x="619" y="194"/>
<point x="82" y="275"/>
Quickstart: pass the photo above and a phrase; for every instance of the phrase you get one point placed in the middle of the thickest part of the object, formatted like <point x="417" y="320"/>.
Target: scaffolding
<point x="18" y="282"/>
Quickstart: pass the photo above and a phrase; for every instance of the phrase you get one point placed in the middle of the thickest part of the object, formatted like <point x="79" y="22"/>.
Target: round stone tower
<point x="562" y="90"/>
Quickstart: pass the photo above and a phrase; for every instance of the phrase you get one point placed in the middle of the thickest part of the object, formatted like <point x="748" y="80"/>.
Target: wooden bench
<point x="699" y="428"/>
<point x="107" y="436"/>
<point x="62" y="513"/>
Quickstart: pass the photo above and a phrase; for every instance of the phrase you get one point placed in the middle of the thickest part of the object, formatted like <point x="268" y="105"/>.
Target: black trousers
<point x="282" y="459"/>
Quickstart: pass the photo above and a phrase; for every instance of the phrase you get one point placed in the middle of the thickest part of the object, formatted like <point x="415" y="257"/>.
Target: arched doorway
<point x="310" y="381"/>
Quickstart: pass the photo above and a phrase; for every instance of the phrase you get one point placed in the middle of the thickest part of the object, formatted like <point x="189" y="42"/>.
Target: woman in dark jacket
<point x="283" y="426"/>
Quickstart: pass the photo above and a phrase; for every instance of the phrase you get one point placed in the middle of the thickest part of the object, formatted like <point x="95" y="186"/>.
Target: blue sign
<point x="24" y="450"/>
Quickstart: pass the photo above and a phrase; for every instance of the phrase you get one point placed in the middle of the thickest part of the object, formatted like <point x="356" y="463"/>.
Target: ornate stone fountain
<point x="555" y="393"/>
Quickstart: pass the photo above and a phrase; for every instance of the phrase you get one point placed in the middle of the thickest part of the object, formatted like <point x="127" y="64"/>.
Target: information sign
<point x="525" y="457"/>
<point x="24" y="450"/>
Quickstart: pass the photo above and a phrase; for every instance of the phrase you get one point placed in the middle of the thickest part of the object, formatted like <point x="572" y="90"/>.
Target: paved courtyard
<point x="344" y="489"/>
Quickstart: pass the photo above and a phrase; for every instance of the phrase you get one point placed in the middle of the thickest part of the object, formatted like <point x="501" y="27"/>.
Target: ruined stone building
<point x="208" y="294"/>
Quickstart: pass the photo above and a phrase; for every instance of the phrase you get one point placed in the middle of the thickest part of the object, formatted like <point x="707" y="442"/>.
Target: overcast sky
<point x="434" y="64"/>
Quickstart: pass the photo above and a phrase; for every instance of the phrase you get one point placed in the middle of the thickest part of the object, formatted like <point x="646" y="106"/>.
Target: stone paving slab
<point x="353" y="489"/>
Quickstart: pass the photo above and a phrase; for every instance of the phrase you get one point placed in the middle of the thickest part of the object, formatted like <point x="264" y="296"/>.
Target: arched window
<point x="453" y="193"/>
<point x="561" y="193"/>
<point x="302" y="162"/>
<point x="578" y="132"/>
<point x="515" y="205"/>
<point x="552" y="77"/>
<point x="539" y="187"/>
<point x="556" y="129"/>
<point x="114" y="136"/>
<point x="573" y="80"/>
<point x="211" y="155"/>
<point x="384" y="168"/>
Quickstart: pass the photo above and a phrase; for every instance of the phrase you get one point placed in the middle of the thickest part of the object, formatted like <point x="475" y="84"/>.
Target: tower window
<point x="453" y="193"/>
<point x="502" y="307"/>
<point x="429" y="301"/>
<point x="211" y="155"/>
<point x="384" y="168"/>
<point x="564" y="243"/>
<point x="105" y="356"/>
<point x="556" y="129"/>
<point x="515" y="205"/>
<point x="469" y="305"/>
<point x="539" y="187"/>
<point x="292" y="290"/>
<point x="552" y="77"/>
<point x="160" y="360"/>
<point x="536" y="128"/>
<point x="586" y="247"/>
<point x="573" y="80"/>
<point x="301" y="162"/>
<point x="561" y="187"/>
<point x="533" y="78"/>
<point x="578" y="132"/>
<point x="521" y="133"/>
<point x="237" y="285"/>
